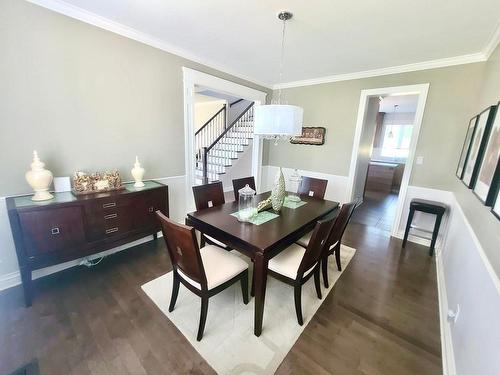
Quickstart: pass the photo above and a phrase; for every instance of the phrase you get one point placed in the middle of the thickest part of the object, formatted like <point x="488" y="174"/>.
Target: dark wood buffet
<point x="69" y="227"/>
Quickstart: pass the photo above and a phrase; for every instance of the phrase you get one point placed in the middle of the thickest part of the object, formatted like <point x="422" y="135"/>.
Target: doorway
<point x="217" y="115"/>
<point x="193" y="81"/>
<point x="387" y="130"/>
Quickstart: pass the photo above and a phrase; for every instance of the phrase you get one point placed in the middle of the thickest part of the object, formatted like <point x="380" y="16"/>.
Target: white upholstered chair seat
<point x="220" y="266"/>
<point x="287" y="262"/>
<point x="216" y="242"/>
<point x="304" y="240"/>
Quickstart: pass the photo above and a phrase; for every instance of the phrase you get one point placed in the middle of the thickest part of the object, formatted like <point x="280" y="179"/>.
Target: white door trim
<point x="191" y="78"/>
<point x="421" y="90"/>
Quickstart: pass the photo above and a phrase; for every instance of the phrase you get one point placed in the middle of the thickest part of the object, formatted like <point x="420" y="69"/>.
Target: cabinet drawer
<point x="107" y="205"/>
<point x="110" y="222"/>
<point x="52" y="230"/>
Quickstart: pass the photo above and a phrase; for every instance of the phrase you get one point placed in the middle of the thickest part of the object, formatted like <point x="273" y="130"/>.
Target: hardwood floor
<point x="381" y="318"/>
<point x="378" y="210"/>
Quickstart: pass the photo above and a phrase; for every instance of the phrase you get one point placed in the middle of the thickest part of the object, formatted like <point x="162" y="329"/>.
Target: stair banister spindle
<point x="205" y="165"/>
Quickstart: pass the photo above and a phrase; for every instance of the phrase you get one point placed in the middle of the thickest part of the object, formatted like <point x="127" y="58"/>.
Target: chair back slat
<point x="316" y="244"/>
<point x="313" y="187"/>
<point x="183" y="249"/>
<point x="208" y="195"/>
<point x="240" y="183"/>
<point x="340" y="224"/>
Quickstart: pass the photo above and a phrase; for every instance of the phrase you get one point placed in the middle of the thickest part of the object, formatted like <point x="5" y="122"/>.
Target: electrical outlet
<point x="453" y="314"/>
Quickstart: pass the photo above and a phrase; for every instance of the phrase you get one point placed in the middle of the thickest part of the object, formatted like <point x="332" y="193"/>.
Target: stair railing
<point x="246" y="115"/>
<point x="205" y="135"/>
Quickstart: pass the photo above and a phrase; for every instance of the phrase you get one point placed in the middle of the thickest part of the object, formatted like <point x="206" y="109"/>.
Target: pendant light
<point x="277" y="120"/>
<point x="391" y="134"/>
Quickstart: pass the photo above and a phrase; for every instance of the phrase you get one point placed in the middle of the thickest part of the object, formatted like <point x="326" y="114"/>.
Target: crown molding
<point x="482" y="56"/>
<point x="131" y="33"/>
<point x="493" y="42"/>
<point x="80" y="14"/>
<point x="431" y="64"/>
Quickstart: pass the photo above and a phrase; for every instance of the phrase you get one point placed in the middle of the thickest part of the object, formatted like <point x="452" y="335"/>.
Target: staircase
<point x="219" y="144"/>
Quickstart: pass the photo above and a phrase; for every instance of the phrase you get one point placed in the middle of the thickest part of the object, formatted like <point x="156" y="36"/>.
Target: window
<point x="397" y="140"/>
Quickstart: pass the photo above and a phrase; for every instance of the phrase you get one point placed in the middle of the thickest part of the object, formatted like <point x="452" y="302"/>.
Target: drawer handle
<point x="55" y="231"/>
<point x="108" y="205"/>
<point x="111" y="230"/>
<point x="110" y="216"/>
<point x="151" y="209"/>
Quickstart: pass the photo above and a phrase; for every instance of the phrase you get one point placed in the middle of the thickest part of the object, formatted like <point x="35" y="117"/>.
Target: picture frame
<point x="489" y="168"/>
<point x="466" y="147"/>
<point x="495" y="209"/>
<point x="477" y="147"/>
<point x="311" y="135"/>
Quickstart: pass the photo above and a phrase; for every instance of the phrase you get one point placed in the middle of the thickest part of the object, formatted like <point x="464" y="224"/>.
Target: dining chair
<point x="335" y="239"/>
<point x="295" y="265"/>
<point x="239" y="183"/>
<point x="205" y="272"/>
<point x="312" y="187"/>
<point x="206" y="196"/>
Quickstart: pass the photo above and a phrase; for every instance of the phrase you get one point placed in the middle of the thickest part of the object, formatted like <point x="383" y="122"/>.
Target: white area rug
<point x="228" y="344"/>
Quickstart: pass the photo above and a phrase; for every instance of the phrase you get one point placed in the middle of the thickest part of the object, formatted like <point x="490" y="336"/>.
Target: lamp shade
<point x="278" y="120"/>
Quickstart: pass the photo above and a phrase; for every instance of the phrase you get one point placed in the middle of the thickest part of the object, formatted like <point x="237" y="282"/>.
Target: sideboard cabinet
<point x="69" y="227"/>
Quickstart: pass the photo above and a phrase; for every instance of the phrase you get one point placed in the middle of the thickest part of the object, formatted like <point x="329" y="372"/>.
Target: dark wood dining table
<point x="260" y="242"/>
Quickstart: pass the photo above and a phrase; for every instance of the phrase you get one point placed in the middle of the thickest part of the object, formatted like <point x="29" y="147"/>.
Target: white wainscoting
<point x="335" y="191"/>
<point x="10" y="276"/>
<point x="423" y="222"/>
<point x="466" y="279"/>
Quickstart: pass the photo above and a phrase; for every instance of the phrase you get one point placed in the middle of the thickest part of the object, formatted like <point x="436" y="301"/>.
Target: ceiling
<point x="211" y="95"/>
<point x="405" y="103"/>
<point x="325" y="38"/>
<point x="200" y="98"/>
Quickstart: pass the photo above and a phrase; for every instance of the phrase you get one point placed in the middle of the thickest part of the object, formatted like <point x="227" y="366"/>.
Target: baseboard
<point x="447" y="353"/>
<point x="10" y="280"/>
<point x="415" y="239"/>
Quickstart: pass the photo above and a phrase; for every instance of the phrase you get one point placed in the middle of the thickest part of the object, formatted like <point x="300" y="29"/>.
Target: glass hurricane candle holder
<point x="246" y="204"/>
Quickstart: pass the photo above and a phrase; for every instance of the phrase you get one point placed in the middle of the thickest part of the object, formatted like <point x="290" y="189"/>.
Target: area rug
<point x="228" y="344"/>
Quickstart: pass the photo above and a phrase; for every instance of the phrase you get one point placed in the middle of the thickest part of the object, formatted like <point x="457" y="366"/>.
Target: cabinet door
<point x="53" y="229"/>
<point x="145" y="206"/>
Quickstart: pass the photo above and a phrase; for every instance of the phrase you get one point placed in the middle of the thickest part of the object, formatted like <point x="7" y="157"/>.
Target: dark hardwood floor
<point x="378" y="210"/>
<point x="381" y="318"/>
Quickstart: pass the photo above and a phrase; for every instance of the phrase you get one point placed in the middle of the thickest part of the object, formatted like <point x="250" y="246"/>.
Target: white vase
<point x="39" y="179"/>
<point x="138" y="173"/>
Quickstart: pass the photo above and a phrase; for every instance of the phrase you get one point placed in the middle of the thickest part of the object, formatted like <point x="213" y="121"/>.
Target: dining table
<point x="261" y="241"/>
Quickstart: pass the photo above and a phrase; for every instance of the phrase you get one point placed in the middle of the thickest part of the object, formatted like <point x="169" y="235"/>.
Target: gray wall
<point x="455" y="95"/>
<point x="452" y="99"/>
<point x="86" y="98"/>
<point x="484" y="224"/>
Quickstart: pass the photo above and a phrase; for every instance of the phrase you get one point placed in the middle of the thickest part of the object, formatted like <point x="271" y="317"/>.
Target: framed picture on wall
<point x="496" y="204"/>
<point x="477" y="146"/>
<point x="466" y="147"/>
<point x="489" y="170"/>
<point x="311" y="135"/>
